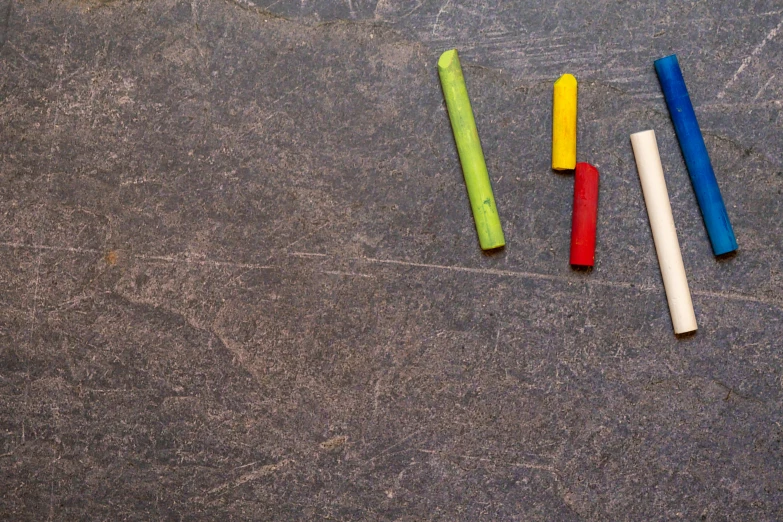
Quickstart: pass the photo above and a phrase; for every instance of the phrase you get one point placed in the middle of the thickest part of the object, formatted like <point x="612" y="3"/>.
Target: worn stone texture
<point x="241" y="281"/>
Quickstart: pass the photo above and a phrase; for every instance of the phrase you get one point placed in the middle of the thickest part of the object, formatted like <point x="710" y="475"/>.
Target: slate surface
<point x="240" y="279"/>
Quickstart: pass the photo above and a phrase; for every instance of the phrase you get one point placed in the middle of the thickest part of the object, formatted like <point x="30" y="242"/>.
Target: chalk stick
<point x="474" y="169"/>
<point x="564" y="123"/>
<point x="713" y="210"/>
<point x="659" y="210"/>
<point x="585" y="215"/>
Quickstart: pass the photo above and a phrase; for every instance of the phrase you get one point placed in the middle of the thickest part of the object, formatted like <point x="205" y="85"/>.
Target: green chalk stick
<point x="471" y="156"/>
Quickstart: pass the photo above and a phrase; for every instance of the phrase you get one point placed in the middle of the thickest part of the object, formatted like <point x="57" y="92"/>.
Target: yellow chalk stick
<point x="564" y="124"/>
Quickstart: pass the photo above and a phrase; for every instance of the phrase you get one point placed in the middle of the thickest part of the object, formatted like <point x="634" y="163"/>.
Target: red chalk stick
<point x="585" y="215"/>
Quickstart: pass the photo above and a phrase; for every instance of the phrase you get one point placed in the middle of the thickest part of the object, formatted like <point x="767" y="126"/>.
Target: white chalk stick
<point x="656" y="197"/>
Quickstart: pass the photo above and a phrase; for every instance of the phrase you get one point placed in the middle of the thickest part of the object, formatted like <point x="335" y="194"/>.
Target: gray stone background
<point x="239" y="277"/>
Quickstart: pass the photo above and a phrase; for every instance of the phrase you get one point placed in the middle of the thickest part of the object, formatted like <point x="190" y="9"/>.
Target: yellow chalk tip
<point x="566" y="80"/>
<point x="447" y="58"/>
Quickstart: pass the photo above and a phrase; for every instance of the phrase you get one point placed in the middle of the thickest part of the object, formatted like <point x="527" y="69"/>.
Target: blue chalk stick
<point x="716" y="219"/>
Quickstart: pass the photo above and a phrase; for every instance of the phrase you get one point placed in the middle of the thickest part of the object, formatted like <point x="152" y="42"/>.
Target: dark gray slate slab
<point x="240" y="279"/>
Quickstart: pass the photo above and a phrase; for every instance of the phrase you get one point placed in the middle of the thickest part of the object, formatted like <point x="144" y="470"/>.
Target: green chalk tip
<point x="471" y="156"/>
<point x="447" y="58"/>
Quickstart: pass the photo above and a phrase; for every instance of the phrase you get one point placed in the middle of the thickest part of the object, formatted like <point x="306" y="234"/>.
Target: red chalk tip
<point x="585" y="215"/>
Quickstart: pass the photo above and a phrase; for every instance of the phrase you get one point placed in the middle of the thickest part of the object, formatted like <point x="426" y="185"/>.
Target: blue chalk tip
<point x="713" y="210"/>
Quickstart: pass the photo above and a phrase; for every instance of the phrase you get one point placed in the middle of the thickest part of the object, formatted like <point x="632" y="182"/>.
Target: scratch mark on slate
<point x="483" y="271"/>
<point x="261" y="472"/>
<point x="72" y="250"/>
<point x="437" y="17"/>
<point x="763" y="88"/>
<point x="389" y="448"/>
<point x="349" y="274"/>
<point x="505" y="273"/>
<point x="746" y="61"/>
<point x="527" y="465"/>
<point x="306" y="254"/>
